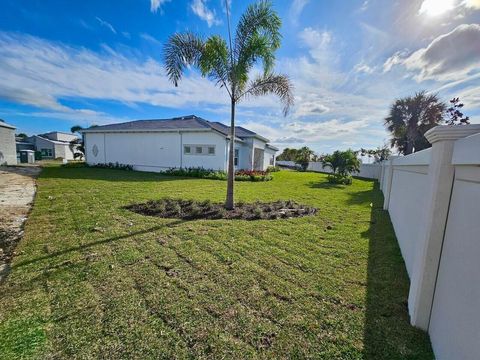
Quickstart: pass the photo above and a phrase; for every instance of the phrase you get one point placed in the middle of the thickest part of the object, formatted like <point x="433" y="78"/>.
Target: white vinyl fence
<point x="433" y="198"/>
<point x="369" y="171"/>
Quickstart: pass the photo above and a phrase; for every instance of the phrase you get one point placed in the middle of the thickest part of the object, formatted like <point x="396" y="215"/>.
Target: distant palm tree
<point x="304" y="156"/>
<point x="341" y="162"/>
<point x="410" y="118"/>
<point x="76" y="128"/>
<point x="229" y="65"/>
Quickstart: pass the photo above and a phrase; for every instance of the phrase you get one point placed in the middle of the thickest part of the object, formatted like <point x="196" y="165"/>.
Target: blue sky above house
<point x="96" y="62"/>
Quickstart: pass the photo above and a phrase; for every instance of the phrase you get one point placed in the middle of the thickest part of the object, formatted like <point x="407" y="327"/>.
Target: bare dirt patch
<point x="190" y="210"/>
<point x="17" y="191"/>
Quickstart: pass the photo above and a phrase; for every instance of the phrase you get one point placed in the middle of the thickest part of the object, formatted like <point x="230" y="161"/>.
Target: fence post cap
<point x="451" y="132"/>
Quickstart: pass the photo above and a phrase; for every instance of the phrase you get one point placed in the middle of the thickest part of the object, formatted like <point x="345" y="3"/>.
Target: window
<point x="272" y="160"/>
<point x="235" y="161"/>
<point x="47" y="152"/>
<point x="199" y="149"/>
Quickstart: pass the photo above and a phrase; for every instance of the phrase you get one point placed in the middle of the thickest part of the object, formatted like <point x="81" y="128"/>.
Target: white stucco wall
<point x="269" y="154"/>
<point x="155" y="151"/>
<point x="455" y="319"/>
<point x="245" y="154"/>
<point x="8" y="152"/>
<point x="434" y="205"/>
<point x="94" y="141"/>
<point x="63" y="151"/>
<point x="409" y="185"/>
<point x="60" y="136"/>
<point x="217" y="161"/>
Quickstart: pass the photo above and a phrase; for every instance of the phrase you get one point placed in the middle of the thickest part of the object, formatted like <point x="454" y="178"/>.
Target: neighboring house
<point x="52" y="145"/>
<point x="22" y="144"/>
<point x="8" y="154"/>
<point x="189" y="141"/>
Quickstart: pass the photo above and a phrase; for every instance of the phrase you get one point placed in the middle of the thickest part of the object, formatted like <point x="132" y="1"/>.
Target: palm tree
<point x="410" y="118"/>
<point x="303" y="157"/>
<point x="341" y="162"/>
<point x="229" y="64"/>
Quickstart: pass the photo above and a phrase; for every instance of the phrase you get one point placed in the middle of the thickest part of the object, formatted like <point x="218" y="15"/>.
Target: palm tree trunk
<point x="229" y="203"/>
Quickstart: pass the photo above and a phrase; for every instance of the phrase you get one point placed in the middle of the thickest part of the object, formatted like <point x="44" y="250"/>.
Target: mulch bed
<point x="190" y="210"/>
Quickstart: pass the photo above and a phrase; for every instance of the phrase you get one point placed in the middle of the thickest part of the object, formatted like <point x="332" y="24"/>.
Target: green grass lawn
<point x="93" y="280"/>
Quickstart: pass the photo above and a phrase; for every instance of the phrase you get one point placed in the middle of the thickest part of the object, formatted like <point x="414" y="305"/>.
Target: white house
<point x="53" y="145"/>
<point x="8" y="154"/>
<point x="189" y="141"/>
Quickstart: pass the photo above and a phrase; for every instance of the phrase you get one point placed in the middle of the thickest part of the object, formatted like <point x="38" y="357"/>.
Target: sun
<point x="436" y="7"/>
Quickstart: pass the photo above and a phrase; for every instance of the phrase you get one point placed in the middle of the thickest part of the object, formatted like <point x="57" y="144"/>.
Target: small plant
<point x="342" y="163"/>
<point x="75" y="164"/>
<point x="257" y="211"/>
<point x="272" y="169"/>
<point x="339" y="179"/>
<point x="198" y="172"/>
<point x="111" y="165"/>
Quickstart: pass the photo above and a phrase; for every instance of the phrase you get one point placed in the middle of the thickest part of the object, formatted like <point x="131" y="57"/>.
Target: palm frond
<point x="181" y="49"/>
<point x="257" y="36"/>
<point x="214" y="60"/>
<point x="279" y="85"/>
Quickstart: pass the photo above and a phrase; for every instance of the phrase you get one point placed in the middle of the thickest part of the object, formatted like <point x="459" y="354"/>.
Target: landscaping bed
<point x="190" y="209"/>
<point x="240" y="175"/>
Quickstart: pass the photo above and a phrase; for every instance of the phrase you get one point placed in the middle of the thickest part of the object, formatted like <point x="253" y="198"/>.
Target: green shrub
<point x="198" y="172"/>
<point x="115" y="165"/>
<point x="340" y="179"/>
<point x="75" y="164"/>
<point x="271" y="169"/>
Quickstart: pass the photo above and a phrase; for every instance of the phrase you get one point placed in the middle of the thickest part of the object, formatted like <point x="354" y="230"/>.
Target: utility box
<point x="27" y="156"/>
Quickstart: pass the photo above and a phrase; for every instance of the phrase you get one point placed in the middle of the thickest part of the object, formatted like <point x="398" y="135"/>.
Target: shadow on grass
<point x="92" y="173"/>
<point x="98" y="242"/>
<point x="25" y="170"/>
<point x="388" y="333"/>
<point x="324" y="185"/>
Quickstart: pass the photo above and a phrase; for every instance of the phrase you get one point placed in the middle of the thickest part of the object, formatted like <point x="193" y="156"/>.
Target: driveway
<point x="17" y="191"/>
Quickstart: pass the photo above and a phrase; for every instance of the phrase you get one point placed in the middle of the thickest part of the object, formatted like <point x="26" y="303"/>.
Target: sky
<point x="64" y="63"/>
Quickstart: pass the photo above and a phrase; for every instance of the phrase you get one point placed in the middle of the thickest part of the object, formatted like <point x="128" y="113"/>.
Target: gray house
<point x="53" y="145"/>
<point x="8" y="153"/>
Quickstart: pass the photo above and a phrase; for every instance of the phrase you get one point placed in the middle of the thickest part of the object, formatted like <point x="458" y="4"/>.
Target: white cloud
<point x="296" y="9"/>
<point x="309" y="108"/>
<point x="448" y="57"/>
<point x="200" y="8"/>
<point x="474" y="4"/>
<point x="41" y="73"/>
<point x="288" y="140"/>
<point x="396" y="59"/>
<point x="436" y="7"/>
<point x="155" y="5"/>
<point x="365" y="5"/>
<point x="106" y="24"/>
<point x="314" y="38"/>
<point x="150" y="38"/>
<point x="361" y="67"/>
